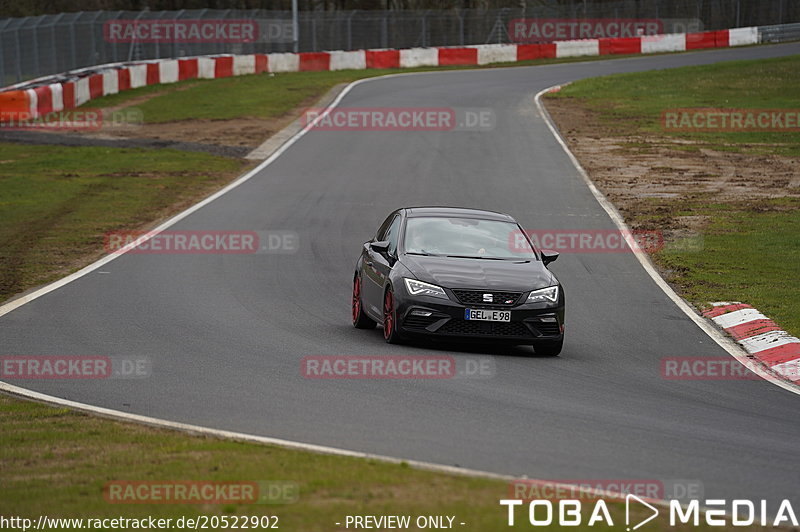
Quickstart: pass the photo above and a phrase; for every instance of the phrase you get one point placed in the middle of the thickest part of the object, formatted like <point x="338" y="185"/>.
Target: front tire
<point x="549" y="349"/>
<point x="360" y="320"/>
<point x="390" y="333"/>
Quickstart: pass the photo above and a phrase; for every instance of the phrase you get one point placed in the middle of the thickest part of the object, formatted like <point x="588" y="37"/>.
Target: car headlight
<point x="549" y="294"/>
<point x="418" y="288"/>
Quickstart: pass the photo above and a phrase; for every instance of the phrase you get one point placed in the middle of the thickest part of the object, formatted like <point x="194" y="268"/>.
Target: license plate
<point x="487" y="315"/>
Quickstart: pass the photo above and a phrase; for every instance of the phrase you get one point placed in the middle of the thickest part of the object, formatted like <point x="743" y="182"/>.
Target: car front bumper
<point x="530" y="323"/>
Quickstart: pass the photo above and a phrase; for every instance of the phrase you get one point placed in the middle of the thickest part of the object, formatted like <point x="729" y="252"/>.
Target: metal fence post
<point x="110" y="44"/>
<point x="3" y="57"/>
<point x="295" y="27"/>
<point x="425" y="28"/>
<point x="35" y="33"/>
<point x="19" y="54"/>
<point x="350" y="29"/>
<point x="92" y="35"/>
<point x="175" y="51"/>
<point x="53" y="51"/>
<point x="738" y="6"/>
<point x="313" y="34"/>
<point x="72" y="45"/>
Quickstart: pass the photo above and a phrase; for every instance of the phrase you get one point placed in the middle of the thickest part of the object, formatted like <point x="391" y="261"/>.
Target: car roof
<point x="458" y="212"/>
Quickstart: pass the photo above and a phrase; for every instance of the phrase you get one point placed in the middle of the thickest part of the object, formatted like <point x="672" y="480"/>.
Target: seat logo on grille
<point x="487" y="298"/>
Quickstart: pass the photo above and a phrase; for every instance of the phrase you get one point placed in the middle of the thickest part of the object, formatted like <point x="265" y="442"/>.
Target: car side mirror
<point x="381" y="246"/>
<point x="549" y="256"/>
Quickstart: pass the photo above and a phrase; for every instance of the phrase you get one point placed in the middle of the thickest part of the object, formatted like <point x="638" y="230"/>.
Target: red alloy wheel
<point x="388" y="315"/>
<point x="356" y="299"/>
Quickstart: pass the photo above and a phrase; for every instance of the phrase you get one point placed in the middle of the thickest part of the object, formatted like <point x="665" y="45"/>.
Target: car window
<point x="464" y="237"/>
<point x="392" y="234"/>
<point x="381" y="234"/>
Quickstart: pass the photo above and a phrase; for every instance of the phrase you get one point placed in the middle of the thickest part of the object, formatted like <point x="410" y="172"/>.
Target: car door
<point x="377" y="265"/>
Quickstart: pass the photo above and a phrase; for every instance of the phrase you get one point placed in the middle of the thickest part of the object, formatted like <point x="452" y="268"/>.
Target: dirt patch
<point x="247" y="132"/>
<point x="244" y="132"/>
<point x="228" y="138"/>
<point x="648" y="178"/>
<point x="238" y="132"/>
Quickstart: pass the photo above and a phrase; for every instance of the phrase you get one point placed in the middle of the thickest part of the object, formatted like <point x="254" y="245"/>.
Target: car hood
<point x="448" y="272"/>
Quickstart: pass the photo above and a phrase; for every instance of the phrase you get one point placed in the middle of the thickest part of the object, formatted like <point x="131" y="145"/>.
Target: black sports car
<point x="453" y="273"/>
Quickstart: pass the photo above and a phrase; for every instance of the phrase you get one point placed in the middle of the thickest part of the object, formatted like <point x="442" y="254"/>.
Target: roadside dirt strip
<point x="761" y="337"/>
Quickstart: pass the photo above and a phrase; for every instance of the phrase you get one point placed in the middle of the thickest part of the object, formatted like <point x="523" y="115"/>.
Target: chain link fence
<point x="31" y="47"/>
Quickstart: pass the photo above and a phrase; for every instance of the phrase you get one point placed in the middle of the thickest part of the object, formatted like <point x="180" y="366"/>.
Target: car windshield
<point x="466" y="237"/>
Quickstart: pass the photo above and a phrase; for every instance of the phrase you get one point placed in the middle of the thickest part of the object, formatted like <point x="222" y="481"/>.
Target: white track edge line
<point x="198" y="430"/>
<point x="723" y="341"/>
<point x="238" y="436"/>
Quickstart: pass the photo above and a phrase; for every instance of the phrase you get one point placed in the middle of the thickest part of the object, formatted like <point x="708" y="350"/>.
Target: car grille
<point x="499" y="299"/>
<point x="419" y="322"/>
<point x="484" y="328"/>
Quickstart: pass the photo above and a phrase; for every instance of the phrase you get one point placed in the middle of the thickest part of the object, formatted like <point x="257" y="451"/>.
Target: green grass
<point x="747" y="255"/>
<point x="56" y="203"/>
<point x="633" y="103"/>
<point x="56" y="462"/>
<point x="751" y="249"/>
<point x="260" y="96"/>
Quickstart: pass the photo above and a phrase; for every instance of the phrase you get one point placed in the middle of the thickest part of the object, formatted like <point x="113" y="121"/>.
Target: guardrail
<point x="779" y="33"/>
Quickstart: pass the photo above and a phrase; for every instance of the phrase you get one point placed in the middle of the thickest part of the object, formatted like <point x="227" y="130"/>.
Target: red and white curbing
<point x="57" y="93"/>
<point x="761" y="337"/>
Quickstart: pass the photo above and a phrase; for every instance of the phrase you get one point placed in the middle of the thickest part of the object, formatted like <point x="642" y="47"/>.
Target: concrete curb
<point x="765" y="342"/>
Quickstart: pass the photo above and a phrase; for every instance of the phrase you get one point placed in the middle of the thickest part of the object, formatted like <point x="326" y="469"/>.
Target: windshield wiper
<point x="474" y="257"/>
<point x="515" y="259"/>
<point x="423" y="253"/>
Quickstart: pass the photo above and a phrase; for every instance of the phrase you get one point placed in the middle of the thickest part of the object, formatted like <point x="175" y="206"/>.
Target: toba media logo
<point x="638" y="512"/>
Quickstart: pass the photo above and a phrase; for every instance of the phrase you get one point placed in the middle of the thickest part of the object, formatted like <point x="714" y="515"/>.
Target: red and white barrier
<point x="168" y="71"/>
<point x="761" y="337"/>
<point x="577" y="48"/>
<point x="742" y="36"/>
<point x="496" y="53"/>
<point x="356" y="60"/>
<point x="284" y="62"/>
<point x="43" y="96"/>
<point x="418" y="57"/>
<point x="243" y="65"/>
